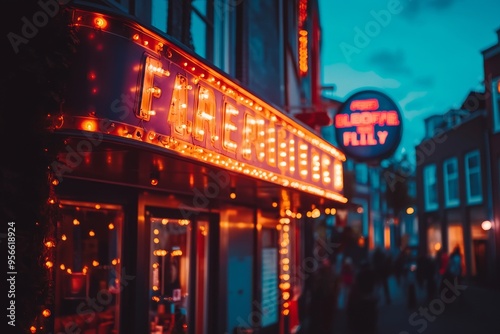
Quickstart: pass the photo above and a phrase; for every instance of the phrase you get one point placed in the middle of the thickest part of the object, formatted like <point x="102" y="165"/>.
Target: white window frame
<point x="479" y="198"/>
<point x="450" y="202"/>
<point x="429" y="174"/>
<point x="495" y="103"/>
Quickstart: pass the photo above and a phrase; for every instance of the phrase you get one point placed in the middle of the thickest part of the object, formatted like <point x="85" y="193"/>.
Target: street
<point x="474" y="310"/>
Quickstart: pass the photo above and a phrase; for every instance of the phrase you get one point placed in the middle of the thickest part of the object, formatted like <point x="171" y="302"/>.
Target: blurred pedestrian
<point x="382" y="268"/>
<point x="346" y="281"/>
<point x="362" y="311"/>
<point x="453" y="268"/>
<point x="323" y="299"/>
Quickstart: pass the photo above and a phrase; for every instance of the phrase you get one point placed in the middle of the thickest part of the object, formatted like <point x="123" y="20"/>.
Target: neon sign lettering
<point x="368" y="125"/>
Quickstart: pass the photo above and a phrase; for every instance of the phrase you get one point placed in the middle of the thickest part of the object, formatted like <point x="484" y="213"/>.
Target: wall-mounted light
<point x="232" y="193"/>
<point x="154" y="177"/>
<point x="486" y="225"/>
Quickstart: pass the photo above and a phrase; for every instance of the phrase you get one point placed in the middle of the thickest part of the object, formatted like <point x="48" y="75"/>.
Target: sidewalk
<point x="391" y="316"/>
<point x="469" y="309"/>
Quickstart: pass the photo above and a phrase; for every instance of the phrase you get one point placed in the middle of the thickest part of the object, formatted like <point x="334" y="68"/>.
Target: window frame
<point x="495" y="103"/>
<point x="447" y="177"/>
<point x="470" y="198"/>
<point x="428" y="170"/>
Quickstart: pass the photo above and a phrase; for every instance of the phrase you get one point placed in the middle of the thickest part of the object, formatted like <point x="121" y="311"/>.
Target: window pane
<point x="201" y="6"/>
<point x="475" y="185"/>
<point x="453" y="190"/>
<point x="89" y="268"/>
<point x="450" y="168"/>
<point x="473" y="161"/>
<point x="199" y="34"/>
<point x="169" y="274"/>
<point x="159" y="13"/>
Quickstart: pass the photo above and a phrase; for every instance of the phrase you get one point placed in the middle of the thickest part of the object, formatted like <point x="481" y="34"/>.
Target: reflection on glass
<point x="88" y="268"/>
<point x="169" y="266"/>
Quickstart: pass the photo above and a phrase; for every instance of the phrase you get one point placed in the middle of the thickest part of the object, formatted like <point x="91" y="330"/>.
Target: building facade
<point x="453" y="192"/>
<point x="182" y="185"/>
<point x="491" y="61"/>
<point x="458" y="165"/>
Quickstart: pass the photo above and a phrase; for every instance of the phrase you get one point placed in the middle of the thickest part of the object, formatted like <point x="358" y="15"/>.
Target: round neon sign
<point x="368" y="126"/>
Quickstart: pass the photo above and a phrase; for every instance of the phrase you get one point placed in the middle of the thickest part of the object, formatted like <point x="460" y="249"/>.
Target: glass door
<point x="178" y="273"/>
<point x="88" y="268"/>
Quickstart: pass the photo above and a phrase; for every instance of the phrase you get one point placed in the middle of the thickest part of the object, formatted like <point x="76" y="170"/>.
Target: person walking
<point x="362" y="309"/>
<point x="382" y="268"/>
<point x="323" y="301"/>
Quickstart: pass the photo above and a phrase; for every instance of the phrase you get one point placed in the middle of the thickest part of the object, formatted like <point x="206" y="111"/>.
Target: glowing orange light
<point x="46" y="313"/>
<point x="88" y="125"/>
<point x="437" y="246"/>
<point x="303" y="52"/>
<point x="368" y="104"/>
<point x="111" y="226"/>
<point x="49" y="264"/>
<point x="154" y="182"/>
<point x="100" y="22"/>
<point x="135" y="37"/>
<point x="33" y="329"/>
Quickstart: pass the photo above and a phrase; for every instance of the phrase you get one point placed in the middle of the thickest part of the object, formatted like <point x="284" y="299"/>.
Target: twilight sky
<point x="426" y="54"/>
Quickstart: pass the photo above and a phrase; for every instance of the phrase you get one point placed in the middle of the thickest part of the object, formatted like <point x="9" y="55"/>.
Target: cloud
<point x="441" y="4"/>
<point x="426" y="81"/>
<point x="390" y="62"/>
<point x="353" y="80"/>
<point x="411" y="8"/>
<point x="413" y="101"/>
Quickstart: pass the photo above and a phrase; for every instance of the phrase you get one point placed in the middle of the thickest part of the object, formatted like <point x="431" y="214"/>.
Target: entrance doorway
<point x="479" y="250"/>
<point x="179" y="270"/>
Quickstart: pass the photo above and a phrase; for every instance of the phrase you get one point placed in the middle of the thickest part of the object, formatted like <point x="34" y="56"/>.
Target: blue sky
<point x="425" y="54"/>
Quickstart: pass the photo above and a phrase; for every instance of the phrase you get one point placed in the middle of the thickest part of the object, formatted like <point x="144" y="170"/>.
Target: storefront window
<point x="88" y="268"/>
<point x="169" y="272"/>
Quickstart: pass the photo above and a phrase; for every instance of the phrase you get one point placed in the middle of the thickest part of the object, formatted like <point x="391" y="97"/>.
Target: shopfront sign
<point x="368" y="126"/>
<point x="155" y="93"/>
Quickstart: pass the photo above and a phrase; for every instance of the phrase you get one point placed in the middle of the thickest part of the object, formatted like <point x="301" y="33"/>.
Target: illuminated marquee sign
<point x="303" y="39"/>
<point x="158" y="94"/>
<point x="368" y="126"/>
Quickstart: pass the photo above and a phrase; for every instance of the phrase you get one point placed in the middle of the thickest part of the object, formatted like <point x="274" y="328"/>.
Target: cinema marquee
<point x="368" y="126"/>
<point x="165" y="98"/>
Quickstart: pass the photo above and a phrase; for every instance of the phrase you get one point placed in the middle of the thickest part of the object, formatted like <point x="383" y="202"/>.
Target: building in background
<point x="185" y="167"/>
<point x="453" y="196"/>
<point x="491" y="61"/>
<point x="382" y="208"/>
<point x="458" y="163"/>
